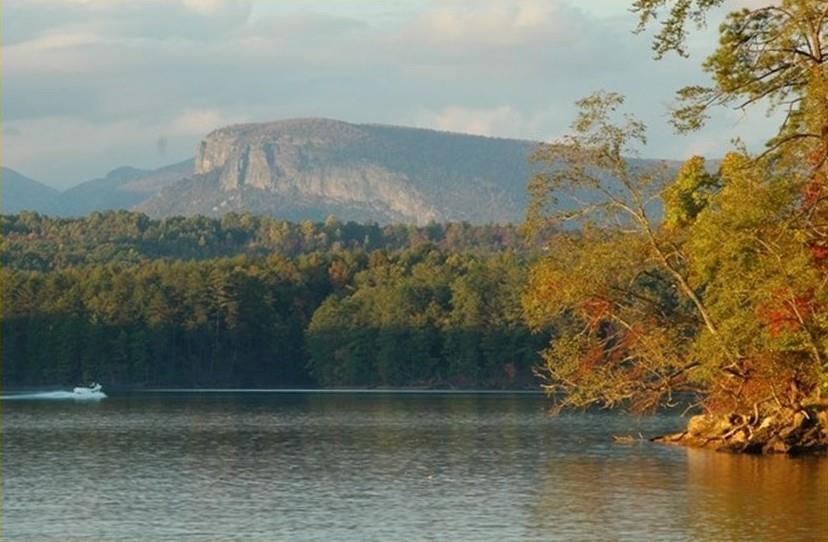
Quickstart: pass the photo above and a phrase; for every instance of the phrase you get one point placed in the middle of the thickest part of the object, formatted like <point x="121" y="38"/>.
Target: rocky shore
<point x="786" y="431"/>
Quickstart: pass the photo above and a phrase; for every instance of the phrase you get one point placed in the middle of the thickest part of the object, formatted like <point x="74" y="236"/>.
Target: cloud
<point x="94" y="85"/>
<point x="484" y="122"/>
<point x="124" y="19"/>
<point x="456" y="25"/>
<point x="199" y="122"/>
<point x="318" y="24"/>
<point x="218" y="8"/>
<point x="65" y="142"/>
<point x="501" y="121"/>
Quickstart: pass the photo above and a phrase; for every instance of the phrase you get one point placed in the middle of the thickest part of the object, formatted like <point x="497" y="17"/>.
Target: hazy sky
<point x="90" y="85"/>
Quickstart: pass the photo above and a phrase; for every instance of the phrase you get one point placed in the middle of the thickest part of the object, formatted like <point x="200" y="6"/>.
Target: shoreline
<point x="785" y="432"/>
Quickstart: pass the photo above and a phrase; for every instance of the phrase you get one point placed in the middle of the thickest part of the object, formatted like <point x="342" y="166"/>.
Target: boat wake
<point x="93" y="393"/>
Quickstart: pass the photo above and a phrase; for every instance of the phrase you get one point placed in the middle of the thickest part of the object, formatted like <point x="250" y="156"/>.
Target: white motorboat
<point x="95" y="391"/>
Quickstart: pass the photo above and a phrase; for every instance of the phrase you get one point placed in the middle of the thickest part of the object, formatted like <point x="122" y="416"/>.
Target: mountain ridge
<point x="359" y="172"/>
<point x="310" y="168"/>
<point x="20" y="193"/>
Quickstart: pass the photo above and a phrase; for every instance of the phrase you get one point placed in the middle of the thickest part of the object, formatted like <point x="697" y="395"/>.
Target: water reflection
<point x="630" y="493"/>
<point x="757" y="498"/>
<point x="381" y="467"/>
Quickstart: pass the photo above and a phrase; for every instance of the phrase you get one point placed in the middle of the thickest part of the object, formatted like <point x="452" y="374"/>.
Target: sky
<point x="91" y="85"/>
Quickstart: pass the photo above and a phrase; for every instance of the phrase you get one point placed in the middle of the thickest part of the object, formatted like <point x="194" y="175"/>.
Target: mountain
<point x="20" y="193"/>
<point x="121" y="188"/>
<point x="311" y="168"/>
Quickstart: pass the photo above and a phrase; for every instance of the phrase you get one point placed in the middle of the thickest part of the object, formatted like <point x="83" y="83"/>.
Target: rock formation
<point x="309" y="168"/>
<point x="784" y="431"/>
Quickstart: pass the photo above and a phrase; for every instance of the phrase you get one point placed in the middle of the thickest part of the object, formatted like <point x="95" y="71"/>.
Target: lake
<point x="382" y="466"/>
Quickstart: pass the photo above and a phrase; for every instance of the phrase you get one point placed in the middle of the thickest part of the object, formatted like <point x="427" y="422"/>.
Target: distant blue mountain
<point x="20" y="193"/>
<point x="121" y="188"/>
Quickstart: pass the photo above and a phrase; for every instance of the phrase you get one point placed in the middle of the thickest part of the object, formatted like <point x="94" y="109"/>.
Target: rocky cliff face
<point x="308" y="168"/>
<point x="307" y="160"/>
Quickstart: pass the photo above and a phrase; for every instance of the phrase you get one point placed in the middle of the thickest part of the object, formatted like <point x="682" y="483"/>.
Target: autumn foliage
<point x="717" y="291"/>
<point x="707" y="279"/>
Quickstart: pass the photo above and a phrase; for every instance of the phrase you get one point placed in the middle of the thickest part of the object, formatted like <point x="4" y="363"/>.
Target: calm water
<point x="384" y="467"/>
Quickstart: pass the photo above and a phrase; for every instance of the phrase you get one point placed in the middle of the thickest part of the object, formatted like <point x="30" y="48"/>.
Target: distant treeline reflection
<point x="252" y="302"/>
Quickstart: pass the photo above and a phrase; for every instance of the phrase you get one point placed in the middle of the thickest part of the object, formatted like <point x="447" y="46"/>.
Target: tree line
<point x="420" y="316"/>
<point x="41" y="243"/>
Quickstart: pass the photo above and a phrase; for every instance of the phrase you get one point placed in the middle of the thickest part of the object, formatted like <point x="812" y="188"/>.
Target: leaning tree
<point x="706" y="280"/>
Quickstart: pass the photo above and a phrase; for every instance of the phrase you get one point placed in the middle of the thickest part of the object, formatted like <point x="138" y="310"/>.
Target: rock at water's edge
<point x="787" y="431"/>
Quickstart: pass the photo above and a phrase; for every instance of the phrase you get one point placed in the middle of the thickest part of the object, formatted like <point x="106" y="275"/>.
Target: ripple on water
<point x="309" y="466"/>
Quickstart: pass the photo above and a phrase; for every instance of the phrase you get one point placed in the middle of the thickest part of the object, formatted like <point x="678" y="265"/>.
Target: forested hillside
<point x="256" y="302"/>
<point x="37" y="242"/>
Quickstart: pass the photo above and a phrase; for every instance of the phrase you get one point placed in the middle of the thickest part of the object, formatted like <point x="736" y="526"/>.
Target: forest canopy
<point x="247" y="301"/>
<point x="711" y="280"/>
